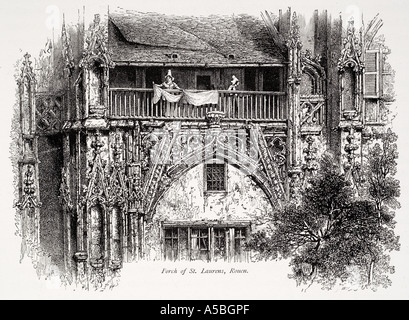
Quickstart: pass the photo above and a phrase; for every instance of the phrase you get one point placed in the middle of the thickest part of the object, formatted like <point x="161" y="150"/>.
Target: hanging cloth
<point x="159" y="93"/>
<point x="187" y="96"/>
<point x="200" y="98"/>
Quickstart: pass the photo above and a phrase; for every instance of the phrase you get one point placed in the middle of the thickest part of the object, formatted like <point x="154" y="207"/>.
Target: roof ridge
<point x="132" y="11"/>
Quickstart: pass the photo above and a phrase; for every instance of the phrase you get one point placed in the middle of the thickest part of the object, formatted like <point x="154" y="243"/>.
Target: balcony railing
<point x="236" y="105"/>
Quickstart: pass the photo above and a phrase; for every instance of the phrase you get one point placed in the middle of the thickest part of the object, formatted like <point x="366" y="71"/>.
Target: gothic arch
<point x="311" y="67"/>
<point x="248" y="165"/>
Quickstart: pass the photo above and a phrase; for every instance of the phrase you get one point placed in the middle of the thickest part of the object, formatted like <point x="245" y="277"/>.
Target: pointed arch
<point x="312" y="68"/>
<point x="250" y="166"/>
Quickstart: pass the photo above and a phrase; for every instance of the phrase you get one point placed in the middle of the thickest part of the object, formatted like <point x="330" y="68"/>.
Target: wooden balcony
<point x="236" y="105"/>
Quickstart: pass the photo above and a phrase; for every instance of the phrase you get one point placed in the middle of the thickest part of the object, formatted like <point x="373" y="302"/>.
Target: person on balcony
<point x="233" y="103"/>
<point x="169" y="82"/>
<point x="234" y="83"/>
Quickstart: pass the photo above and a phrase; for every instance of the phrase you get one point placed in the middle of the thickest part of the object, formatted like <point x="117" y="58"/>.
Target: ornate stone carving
<point x="136" y="195"/>
<point x="118" y="190"/>
<point x="97" y="189"/>
<point x="295" y="184"/>
<point x="159" y="161"/>
<point x="278" y="150"/>
<point x="27" y="74"/>
<point x="350" y="148"/>
<point x="352" y="166"/>
<point x="307" y="58"/>
<point x="48" y="113"/>
<point x="352" y="50"/>
<point x="29" y="198"/>
<point x="250" y="152"/>
<point x="65" y="191"/>
<point x="147" y="150"/>
<point x="97" y="111"/>
<point x="214" y="118"/>
<point x="27" y="84"/>
<point x="311" y="66"/>
<point x="351" y="67"/>
<point x="310" y="112"/>
<point x="67" y="49"/>
<point x="269" y="166"/>
<point x="95" y="46"/>
<point x="310" y="166"/>
<point x="117" y="149"/>
<point x="294" y="51"/>
<point x="294" y="35"/>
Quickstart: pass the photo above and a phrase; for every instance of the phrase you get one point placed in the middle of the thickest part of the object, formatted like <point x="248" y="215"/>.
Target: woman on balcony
<point x="233" y="103"/>
<point x="169" y="84"/>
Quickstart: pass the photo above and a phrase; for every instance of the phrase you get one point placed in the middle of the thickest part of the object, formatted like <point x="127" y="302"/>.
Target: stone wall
<point x="187" y="200"/>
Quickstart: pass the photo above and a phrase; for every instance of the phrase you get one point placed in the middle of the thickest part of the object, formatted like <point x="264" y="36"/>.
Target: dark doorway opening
<point x="153" y="75"/>
<point x="250" y="79"/>
<point x="272" y="79"/>
<point x="203" y="83"/>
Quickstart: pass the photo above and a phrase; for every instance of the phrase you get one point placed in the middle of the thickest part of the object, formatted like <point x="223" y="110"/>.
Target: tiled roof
<point x="153" y="38"/>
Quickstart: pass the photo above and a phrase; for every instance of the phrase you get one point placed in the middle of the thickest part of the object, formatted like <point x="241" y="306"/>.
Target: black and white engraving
<point x="235" y="138"/>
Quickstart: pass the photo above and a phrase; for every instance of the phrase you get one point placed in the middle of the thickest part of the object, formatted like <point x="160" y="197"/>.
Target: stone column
<point x="136" y="201"/>
<point x="294" y="131"/>
<point x="29" y="197"/>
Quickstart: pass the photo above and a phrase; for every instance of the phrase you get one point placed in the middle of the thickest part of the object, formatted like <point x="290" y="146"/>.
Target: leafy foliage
<point x="333" y="233"/>
<point x="383" y="188"/>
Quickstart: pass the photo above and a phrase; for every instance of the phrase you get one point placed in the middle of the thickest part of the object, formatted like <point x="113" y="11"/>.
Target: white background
<point x="25" y="26"/>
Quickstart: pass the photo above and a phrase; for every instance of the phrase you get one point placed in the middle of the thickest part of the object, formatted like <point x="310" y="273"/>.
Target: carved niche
<point x="95" y="202"/>
<point x="95" y="48"/>
<point x="117" y="200"/>
<point x="118" y="192"/>
<point x="312" y="99"/>
<point x="350" y="67"/>
<point x="313" y="74"/>
<point x="95" y="62"/>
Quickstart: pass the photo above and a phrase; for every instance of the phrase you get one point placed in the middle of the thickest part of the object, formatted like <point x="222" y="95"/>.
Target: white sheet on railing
<point x="159" y="93"/>
<point x="187" y="96"/>
<point x="201" y="98"/>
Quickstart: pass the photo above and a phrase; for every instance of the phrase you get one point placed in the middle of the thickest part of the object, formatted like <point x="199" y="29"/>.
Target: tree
<point x="383" y="190"/>
<point x="329" y="234"/>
